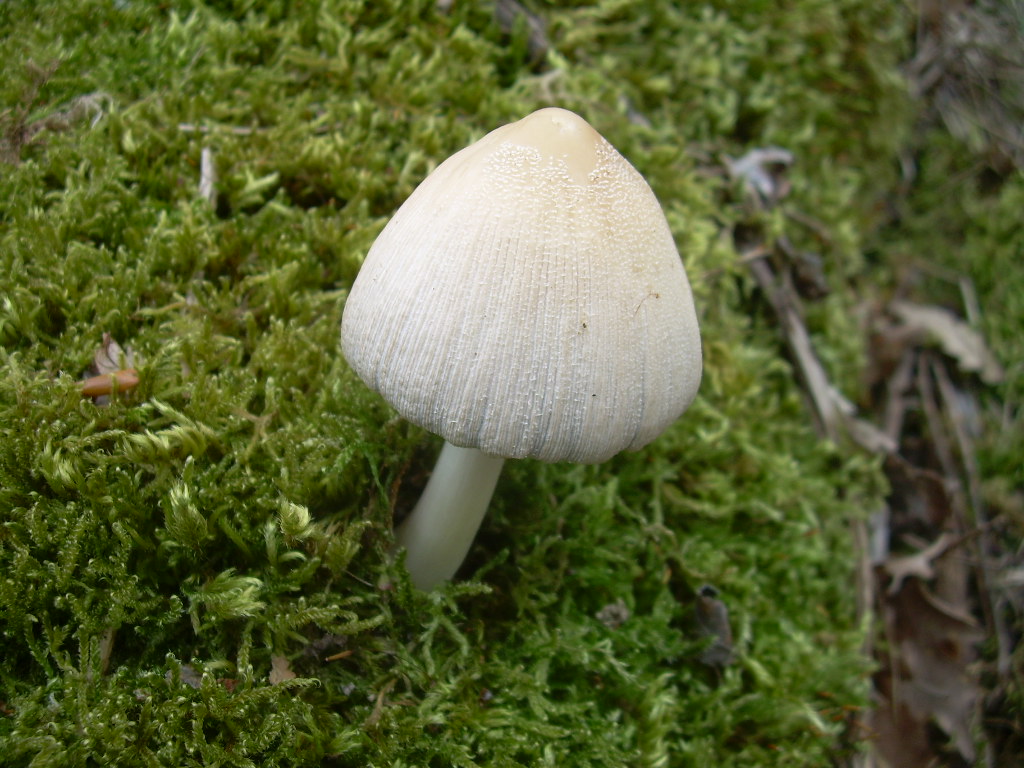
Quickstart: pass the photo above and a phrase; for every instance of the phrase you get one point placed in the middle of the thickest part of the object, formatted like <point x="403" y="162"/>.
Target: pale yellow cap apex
<point x="560" y="135"/>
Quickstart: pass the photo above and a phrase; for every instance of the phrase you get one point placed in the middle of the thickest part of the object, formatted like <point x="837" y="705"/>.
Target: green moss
<point x="235" y="507"/>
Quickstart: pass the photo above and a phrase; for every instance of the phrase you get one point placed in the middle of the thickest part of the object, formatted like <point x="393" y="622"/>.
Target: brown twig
<point x="835" y="419"/>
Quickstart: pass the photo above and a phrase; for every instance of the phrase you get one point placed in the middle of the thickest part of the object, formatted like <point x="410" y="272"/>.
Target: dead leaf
<point x="614" y="615"/>
<point x="190" y="676"/>
<point x="207" y="177"/>
<point x="900" y="739"/>
<point x="712" y="617"/>
<point x="109" y="357"/>
<point x="919" y="500"/>
<point x="761" y="171"/>
<point x="956" y="338"/>
<point x="933" y="647"/>
<point x="919" y="564"/>
<point x="280" y="669"/>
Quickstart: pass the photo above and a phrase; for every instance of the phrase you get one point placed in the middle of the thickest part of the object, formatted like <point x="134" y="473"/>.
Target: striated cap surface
<point x="528" y="300"/>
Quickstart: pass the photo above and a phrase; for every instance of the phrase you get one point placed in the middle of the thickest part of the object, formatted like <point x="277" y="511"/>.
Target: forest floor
<point x="197" y="493"/>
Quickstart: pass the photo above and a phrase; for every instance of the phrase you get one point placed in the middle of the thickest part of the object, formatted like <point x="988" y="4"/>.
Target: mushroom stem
<point x="439" y="531"/>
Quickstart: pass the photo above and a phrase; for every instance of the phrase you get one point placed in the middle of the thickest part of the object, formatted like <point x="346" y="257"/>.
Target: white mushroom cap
<point x="528" y="300"/>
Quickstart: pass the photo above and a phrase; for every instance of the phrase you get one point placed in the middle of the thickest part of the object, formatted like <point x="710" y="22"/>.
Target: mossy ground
<point x="160" y="551"/>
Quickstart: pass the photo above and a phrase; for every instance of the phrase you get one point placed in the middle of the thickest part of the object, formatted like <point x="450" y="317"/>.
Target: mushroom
<point x="527" y="300"/>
